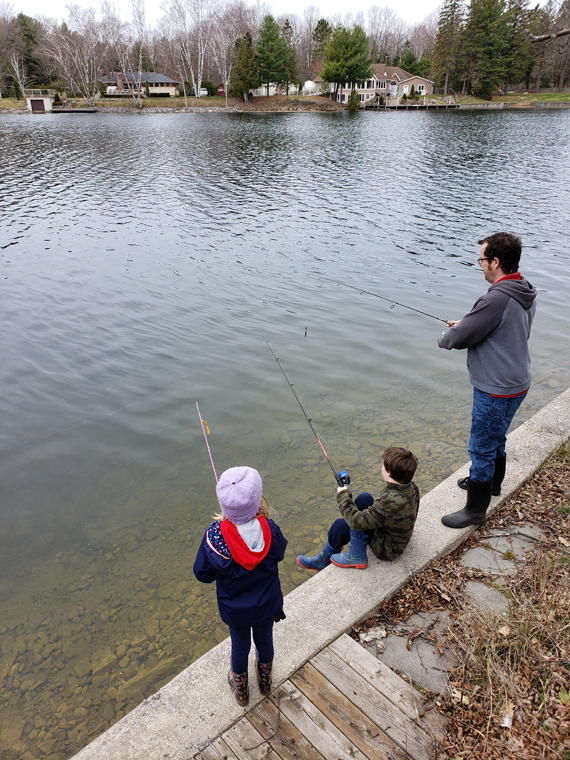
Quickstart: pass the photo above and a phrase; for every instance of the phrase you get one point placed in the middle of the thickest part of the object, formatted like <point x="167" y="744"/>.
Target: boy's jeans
<point x="491" y="417"/>
<point x="339" y="534"/>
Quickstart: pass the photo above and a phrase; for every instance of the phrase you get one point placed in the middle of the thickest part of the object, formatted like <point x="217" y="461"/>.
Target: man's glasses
<point x="485" y="258"/>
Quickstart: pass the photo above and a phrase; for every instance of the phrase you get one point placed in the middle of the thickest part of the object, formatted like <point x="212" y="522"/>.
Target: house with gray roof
<point x="148" y="82"/>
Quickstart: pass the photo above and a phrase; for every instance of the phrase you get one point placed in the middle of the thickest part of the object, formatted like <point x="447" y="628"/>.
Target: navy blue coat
<point x="245" y="597"/>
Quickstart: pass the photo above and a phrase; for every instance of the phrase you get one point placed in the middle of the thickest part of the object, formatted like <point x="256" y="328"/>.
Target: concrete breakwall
<point x="197" y="706"/>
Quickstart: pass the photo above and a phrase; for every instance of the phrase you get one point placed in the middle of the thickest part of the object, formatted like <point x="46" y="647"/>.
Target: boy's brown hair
<point x="400" y="463"/>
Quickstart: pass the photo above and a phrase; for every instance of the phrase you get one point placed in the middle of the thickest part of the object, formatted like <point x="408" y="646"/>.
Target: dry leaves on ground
<point x="510" y="695"/>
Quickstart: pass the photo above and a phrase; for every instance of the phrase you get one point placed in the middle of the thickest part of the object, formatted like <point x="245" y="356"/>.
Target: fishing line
<point x="396" y="303"/>
<point x="205" y="429"/>
<point x="342" y="478"/>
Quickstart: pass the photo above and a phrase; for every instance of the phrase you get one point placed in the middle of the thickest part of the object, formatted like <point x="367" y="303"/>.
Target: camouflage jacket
<point x="391" y="517"/>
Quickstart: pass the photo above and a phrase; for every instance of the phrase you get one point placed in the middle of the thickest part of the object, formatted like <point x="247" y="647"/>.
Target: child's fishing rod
<point x="204" y="429"/>
<point x="396" y="303"/>
<point x="342" y="478"/>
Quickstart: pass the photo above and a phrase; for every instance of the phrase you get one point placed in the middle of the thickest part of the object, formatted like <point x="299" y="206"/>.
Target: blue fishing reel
<point x="343" y="478"/>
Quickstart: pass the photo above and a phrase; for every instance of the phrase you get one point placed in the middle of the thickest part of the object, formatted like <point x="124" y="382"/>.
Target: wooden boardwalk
<point x="342" y="705"/>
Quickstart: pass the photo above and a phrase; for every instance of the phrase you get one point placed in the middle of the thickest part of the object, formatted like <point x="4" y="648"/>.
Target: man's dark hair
<point x="506" y="248"/>
<point x="400" y="463"/>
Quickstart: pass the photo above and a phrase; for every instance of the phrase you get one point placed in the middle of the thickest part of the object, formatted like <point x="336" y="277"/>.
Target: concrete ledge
<point x="197" y="706"/>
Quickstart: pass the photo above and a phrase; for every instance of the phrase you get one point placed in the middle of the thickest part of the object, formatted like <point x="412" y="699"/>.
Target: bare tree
<point x="127" y="41"/>
<point x="194" y="22"/>
<point x="306" y="41"/>
<point x="229" y="23"/>
<point x="17" y="69"/>
<point x="78" y="49"/>
<point x="423" y="35"/>
<point x="171" y="52"/>
<point x="386" y="32"/>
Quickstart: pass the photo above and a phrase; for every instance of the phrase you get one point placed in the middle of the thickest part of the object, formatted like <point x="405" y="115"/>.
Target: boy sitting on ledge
<point x="386" y="523"/>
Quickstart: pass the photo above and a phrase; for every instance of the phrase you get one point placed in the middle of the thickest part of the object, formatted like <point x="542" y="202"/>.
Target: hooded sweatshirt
<point x="496" y="333"/>
<point x="247" y="579"/>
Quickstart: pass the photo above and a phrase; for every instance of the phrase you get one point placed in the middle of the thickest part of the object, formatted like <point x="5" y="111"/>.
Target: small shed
<point x="39" y="100"/>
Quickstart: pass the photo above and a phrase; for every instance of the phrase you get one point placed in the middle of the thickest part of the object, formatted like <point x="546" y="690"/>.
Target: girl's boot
<point x="355" y="555"/>
<point x="238" y="684"/>
<point x="264" y="676"/>
<point x="319" y="561"/>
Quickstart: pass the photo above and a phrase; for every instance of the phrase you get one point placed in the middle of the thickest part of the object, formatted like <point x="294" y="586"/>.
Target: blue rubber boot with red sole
<point x="319" y="561"/>
<point x="355" y="555"/>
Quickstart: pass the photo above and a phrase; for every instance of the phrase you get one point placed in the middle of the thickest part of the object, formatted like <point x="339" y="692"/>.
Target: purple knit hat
<point x="239" y="493"/>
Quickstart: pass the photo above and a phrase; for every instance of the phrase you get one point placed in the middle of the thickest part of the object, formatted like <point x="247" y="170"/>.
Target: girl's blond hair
<point x="263" y="511"/>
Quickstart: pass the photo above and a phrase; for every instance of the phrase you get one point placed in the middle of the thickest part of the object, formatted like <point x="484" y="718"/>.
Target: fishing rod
<point x="396" y="303"/>
<point x="342" y="478"/>
<point x="204" y="429"/>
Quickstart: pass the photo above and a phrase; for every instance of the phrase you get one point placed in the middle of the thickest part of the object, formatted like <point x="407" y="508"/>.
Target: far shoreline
<point x="296" y="104"/>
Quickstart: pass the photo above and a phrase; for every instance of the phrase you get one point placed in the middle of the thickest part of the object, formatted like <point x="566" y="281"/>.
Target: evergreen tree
<point x="409" y="61"/>
<point x="353" y="101"/>
<point x="322" y="34"/>
<point x="245" y="72"/>
<point x="446" y="53"/>
<point x="292" y="74"/>
<point x="485" y="34"/>
<point x="424" y="66"/>
<point x="273" y="53"/>
<point x="347" y="58"/>
<point x="27" y="35"/>
<point x="518" y="55"/>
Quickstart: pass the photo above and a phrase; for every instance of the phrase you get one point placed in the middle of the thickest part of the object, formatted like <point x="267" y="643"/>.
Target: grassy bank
<point x="545" y="97"/>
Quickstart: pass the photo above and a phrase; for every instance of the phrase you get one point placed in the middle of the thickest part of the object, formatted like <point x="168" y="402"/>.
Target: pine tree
<point x="483" y="60"/>
<point x="292" y="75"/>
<point x="353" y="102"/>
<point x="445" y="56"/>
<point x="273" y="53"/>
<point x="347" y="58"/>
<point x="518" y="53"/>
<point x="322" y="34"/>
<point x="409" y="61"/>
<point x="245" y="73"/>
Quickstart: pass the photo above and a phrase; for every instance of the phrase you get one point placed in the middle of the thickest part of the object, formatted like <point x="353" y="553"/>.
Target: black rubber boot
<point x="473" y="513"/>
<point x="498" y="476"/>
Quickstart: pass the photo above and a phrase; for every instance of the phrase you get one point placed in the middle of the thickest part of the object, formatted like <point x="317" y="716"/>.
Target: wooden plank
<point x="391" y="685"/>
<point x="217" y="750"/>
<point x="361" y="731"/>
<point x="321" y="733"/>
<point x="281" y="734"/>
<point x="407" y="734"/>
<point x="248" y="744"/>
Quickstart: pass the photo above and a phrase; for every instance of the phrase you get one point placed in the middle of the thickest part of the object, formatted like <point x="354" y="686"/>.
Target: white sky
<point x="409" y="10"/>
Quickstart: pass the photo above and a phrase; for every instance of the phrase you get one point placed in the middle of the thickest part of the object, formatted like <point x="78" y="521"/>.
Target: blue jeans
<point x="241" y="644"/>
<point x="339" y="534"/>
<point x="490" y="420"/>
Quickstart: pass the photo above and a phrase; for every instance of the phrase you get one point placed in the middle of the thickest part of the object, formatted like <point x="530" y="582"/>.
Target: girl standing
<point x="240" y="552"/>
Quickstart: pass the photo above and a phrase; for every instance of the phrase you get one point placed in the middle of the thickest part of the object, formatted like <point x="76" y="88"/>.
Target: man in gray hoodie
<point x="495" y="334"/>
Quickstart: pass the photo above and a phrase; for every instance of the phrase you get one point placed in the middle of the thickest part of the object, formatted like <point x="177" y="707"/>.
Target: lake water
<point x="141" y="256"/>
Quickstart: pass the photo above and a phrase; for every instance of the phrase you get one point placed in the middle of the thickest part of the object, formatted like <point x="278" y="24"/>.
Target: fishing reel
<point x="343" y="478"/>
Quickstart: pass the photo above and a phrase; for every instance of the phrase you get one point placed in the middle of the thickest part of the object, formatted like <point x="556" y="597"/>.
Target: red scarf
<point x="240" y="551"/>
